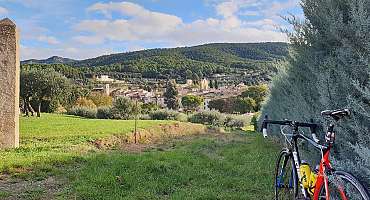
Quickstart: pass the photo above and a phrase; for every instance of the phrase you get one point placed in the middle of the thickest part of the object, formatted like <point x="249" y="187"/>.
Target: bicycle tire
<point x="342" y="179"/>
<point x="285" y="171"/>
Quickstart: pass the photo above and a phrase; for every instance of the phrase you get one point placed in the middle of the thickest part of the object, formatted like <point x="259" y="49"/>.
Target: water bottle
<point x="305" y="172"/>
<point x="313" y="179"/>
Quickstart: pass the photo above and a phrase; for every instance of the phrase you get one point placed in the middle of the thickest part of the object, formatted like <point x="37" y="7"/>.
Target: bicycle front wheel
<point x="344" y="186"/>
<point x="286" y="181"/>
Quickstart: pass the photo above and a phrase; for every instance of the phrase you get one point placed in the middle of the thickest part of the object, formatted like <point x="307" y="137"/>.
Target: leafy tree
<point x="216" y="84"/>
<point x="149" y="107"/>
<point x="170" y="96"/>
<point x="84" y="102"/>
<point x="233" y="105"/>
<point x="189" y="74"/>
<point x="244" y="105"/>
<point x="211" y="84"/>
<point x="124" y="108"/>
<point x="100" y="99"/>
<point x="258" y="93"/>
<point x="191" y="102"/>
<point x="38" y="85"/>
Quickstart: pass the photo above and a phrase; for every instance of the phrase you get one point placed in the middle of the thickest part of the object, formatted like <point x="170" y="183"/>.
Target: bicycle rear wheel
<point x="286" y="181"/>
<point x="344" y="186"/>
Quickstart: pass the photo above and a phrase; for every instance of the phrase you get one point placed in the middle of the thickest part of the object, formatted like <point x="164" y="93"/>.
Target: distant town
<point x="208" y="89"/>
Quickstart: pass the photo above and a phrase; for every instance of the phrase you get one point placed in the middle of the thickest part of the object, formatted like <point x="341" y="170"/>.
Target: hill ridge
<point x="212" y="52"/>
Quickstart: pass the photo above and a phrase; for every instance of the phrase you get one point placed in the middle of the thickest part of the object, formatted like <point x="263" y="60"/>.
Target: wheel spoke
<point x="284" y="180"/>
<point x="343" y="187"/>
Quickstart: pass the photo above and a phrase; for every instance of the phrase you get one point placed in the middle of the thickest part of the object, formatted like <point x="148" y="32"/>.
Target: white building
<point x="104" y="78"/>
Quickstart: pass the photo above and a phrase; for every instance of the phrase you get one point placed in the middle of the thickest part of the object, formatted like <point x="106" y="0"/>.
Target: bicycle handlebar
<point x="294" y="124"/>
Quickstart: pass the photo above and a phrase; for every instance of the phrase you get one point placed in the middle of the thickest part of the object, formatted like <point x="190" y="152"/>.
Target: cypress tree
<point x="328" y="68"/>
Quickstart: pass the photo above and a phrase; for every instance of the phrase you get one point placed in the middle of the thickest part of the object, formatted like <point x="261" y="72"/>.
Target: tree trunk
<point x="30" y="108"/>
<point x="39" y="110"/>
<point x="25" y="107"/>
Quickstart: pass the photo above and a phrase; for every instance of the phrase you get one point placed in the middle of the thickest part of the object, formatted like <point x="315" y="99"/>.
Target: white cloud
<point x="30" y="30"/>
<point x="64" y="51"/>
<point x="48" y="39"/>
<point x="227" y="9"/>
<point x="208" y="31"/>
<point x="133" y="23"/>
<point x="277" y="7"/>
<point x="89" y="40"/>
<point x="3" y="11"/>
<point x="140" y="24"/>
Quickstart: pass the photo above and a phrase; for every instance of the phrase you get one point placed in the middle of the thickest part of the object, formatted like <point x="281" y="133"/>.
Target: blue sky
<point x="89" y="28"/>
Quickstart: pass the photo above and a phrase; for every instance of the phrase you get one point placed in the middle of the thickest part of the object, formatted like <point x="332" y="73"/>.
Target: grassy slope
<point x="54" y="139"/>
<point x="207" y="167"/>
<point x="211" y="166"/>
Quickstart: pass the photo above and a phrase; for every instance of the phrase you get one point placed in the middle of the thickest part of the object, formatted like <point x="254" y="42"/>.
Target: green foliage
<point x="86" y="112"/>
<point x="84" y="102"/>
<point x="258" y="93"/>
<point x="44" y="84"/>
<point x="234" y="122"/>
<point x="244" y="105"/>
<point x="222" y="105"/>
<point x="235" y="162"/>
<point x="125" y="108"/>
<point x="147" y="108"/>
<point x="104" y="112"/>
<point x="233" y="105"/>
<point x="329" y="69"/>
<point x="191" y="102"/>
<point x="212" y="118"/>
<point x="66" y="70"/>
<point x="254" y="121"/>
<point x="165" y="114"/>
<point x="170" y="96"/>
<point x="57" y="140"/>
<point x="189" y="62"/>
<point x="100" y="99"/>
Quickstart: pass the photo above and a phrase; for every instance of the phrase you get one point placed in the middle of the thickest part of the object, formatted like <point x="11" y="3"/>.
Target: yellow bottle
<point x="312" y="183"/>
<point x="305" y="172"/>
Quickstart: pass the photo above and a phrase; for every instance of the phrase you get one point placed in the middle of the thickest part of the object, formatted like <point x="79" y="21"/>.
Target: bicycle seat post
<point x="330" y="135"/>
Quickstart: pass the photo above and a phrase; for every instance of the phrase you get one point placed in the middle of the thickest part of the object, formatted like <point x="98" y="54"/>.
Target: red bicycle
<point x="294" y="178"/>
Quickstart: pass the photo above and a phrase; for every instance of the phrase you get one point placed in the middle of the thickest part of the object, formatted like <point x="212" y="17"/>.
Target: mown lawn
<point x="57" y="162"/>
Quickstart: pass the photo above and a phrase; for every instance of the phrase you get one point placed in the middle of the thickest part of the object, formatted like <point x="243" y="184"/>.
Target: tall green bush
<point x="83" y="112"/>
<point x="212" y="118"/>
<point x="165" y="114"/>
<point x="328" y="68"/>
<point x="125" y="108"/>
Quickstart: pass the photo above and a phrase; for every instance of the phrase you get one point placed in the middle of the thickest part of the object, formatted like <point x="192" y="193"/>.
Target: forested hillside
<point x="224" y="54"/>
<point x="329" y="69"/>
<point x="199" y="61"/>
<point x="51" y="60"/>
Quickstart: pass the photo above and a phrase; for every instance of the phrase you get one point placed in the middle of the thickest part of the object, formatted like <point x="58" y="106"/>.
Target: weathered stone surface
<point x="9" y="84"/>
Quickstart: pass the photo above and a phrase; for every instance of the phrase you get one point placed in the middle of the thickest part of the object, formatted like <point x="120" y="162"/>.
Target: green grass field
<point x="55" y="139"/>
<point x="56" y="157"/>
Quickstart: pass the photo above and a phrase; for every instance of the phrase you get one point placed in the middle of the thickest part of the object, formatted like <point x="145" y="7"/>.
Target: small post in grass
<point x="136" y="113"/>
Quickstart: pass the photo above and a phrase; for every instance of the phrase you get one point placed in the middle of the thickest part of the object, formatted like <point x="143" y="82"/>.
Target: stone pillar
<point x="9" y="84"/>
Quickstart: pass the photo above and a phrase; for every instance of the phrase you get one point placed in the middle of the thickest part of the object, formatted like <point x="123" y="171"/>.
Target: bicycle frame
<point x="322" y="179"/>
<point x="325" y="166"/>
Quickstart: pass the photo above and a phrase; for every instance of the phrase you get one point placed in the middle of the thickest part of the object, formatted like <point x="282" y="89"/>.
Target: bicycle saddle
<point x="336" y="114"/>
